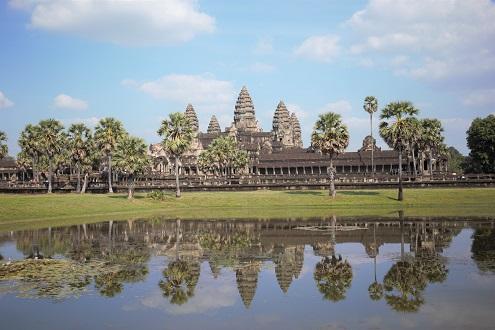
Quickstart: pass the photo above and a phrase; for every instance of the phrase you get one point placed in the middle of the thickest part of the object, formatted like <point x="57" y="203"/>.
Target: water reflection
<point x="105" y="257"/>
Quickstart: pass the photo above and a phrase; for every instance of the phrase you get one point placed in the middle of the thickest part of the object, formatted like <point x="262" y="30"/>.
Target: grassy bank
<point x="23" y="211"/>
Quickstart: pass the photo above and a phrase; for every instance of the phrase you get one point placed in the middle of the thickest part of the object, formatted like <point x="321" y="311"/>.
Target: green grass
<point x="27" y="211"/>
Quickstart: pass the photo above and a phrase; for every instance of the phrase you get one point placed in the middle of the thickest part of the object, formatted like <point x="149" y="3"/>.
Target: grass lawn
<point x="28" y="211"/>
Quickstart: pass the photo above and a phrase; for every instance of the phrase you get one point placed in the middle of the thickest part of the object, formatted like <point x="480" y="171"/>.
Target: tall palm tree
<point x="52" y="139"/>
<point x="371" y="106"/>
<point x="330" y="137"/>
<point x="30" y="146"/>
<point x="3" y="145"/>
<point x="177" y="136"/>
<point x="412" y="140"/>
<point x="131" y="159"/>
<point x="108" y="134"/>
<point x="394" y="129"/>
<point x="432" y="138"/>
<point x="79" y="148"/>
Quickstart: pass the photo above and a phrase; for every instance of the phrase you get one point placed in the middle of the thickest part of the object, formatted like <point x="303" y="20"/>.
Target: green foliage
<point x="483" y="249"/>
<point x="157" y="195"/>
<point x="456" y="161"/>
<point x="375" y="291"/>
<point x="333" y="277"/>
<point x="180" y="280"/>
<point x="177" y="134"/>
<point x="108" y="134"/>
<point x="4" y="150"/>
<point x="370" y="104"/>
<point x="330" y="136"/>
<point x="431" y="134"/>
<point x="481" y="142"/>
<point x="223" y="154"/>
<point x="396" y="125"/>
<point x="131" y="156"/>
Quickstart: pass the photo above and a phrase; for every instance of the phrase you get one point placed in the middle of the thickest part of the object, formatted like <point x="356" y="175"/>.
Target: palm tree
<point x="394" y="130"/>
<point x="412" y="140"/>
<point x="330" y="137"/>
<point x="52" y="141"/>
<point x="432" y="138"/>
<point x="108" y="134"/>
<point x="79" y="148"/>
<point x="30" y="146"/>
<point x="371" y="106"/>
<point x="177" y="136"/>
<point x="375" y="290"/>
<point x="131" y="159"/>
<point x="223" y="153"/>
<point x="3" y="145"/>
<point x="333" y="277"/>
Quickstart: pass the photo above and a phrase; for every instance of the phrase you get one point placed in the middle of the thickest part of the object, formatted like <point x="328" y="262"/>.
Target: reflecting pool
<point x="326" y="273"/>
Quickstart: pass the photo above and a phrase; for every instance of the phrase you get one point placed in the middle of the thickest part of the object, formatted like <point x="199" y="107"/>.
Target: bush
<point x="157" y="195"/>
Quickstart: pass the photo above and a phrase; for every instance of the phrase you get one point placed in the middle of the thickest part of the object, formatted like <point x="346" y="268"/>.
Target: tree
<point x="224" y="155"/>
<point x="3" y="145"/>
<point x="371" y="106"/>
<point x="481" y="142"/>
<point x="330" y="137"/>
<point x="413" y="136"/>
<point x="29" y="142"/>
<point x="52" y="142"/>
<point x="177" y="136"/>
<point x="333" y="277"/>
<point x="394" y="129"/>
<point x="456" y="160"/>
<point x="131" y="159"/>
<point x="80" y="141"/>
<point x="108" y="134"/>
<point x="404" y="284"/>
<point x="431" y="134"/>
<point x="181" y="278"/>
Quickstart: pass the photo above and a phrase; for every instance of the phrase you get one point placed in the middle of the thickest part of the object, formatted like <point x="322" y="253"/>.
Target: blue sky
<point x="79" y="61"/>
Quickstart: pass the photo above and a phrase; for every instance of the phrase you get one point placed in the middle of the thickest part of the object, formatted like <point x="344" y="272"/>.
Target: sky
<point x="138" y="61"/>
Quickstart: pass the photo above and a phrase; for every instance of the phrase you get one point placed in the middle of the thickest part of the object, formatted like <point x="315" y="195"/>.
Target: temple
<point x="280" y="152"/>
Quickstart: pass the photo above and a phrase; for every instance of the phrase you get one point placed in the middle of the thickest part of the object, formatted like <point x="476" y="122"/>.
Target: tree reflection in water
<point x="483" y="249"/>
<point x="333" y="277"/>
<point x="180" y="280"/>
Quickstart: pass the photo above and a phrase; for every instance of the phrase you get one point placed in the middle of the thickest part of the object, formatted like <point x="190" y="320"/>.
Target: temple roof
<point x="281" y="117"/>
<point x="214" y="126"/>
<point x="193" y="118"/>
<point x="244" y="115"/>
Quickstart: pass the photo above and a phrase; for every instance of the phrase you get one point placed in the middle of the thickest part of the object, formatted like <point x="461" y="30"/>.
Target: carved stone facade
<point x="277" y="152"/>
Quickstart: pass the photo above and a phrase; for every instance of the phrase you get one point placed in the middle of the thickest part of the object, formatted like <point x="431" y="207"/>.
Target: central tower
<point x="244" y="116"/>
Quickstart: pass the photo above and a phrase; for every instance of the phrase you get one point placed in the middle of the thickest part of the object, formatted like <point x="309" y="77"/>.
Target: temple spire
<point x="296" y="130"/>
<point x="214" y="126"/>
<point x="244" y="115"/>
<point x="193" y="118"/>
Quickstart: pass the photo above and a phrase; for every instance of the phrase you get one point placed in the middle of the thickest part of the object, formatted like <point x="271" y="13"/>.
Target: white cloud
<point x="341" y="107"/>
<point x="195" y="89"/>
<point x="64" y="101"/>
<point x="4" y="101"/>
<point x="319" y="48"/>
<point x="208" y="95"/>
<point x="446" y="39"/>
<point x="264" y="46"/>
<point x="484" y="97"/>
<point x="260" y="67"/>
<point x="121" y="22"/>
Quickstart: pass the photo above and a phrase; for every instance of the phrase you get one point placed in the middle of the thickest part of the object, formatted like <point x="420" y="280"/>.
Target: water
<point x="335" y="273"/>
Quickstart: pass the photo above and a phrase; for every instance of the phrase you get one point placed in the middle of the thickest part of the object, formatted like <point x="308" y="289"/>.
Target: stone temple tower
<point x="296" y="131"/>
<point x="244" y="116"/>
<point x="191" y="115"/>
<point x="214" y="126"/>
<point x="282" y="128"/>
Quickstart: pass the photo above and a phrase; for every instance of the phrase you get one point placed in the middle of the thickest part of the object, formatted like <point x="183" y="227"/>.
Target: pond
<point x="325" y="273"/>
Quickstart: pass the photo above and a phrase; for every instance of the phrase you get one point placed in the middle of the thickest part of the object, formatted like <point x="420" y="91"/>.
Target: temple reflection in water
<point x="111" y="254"/>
